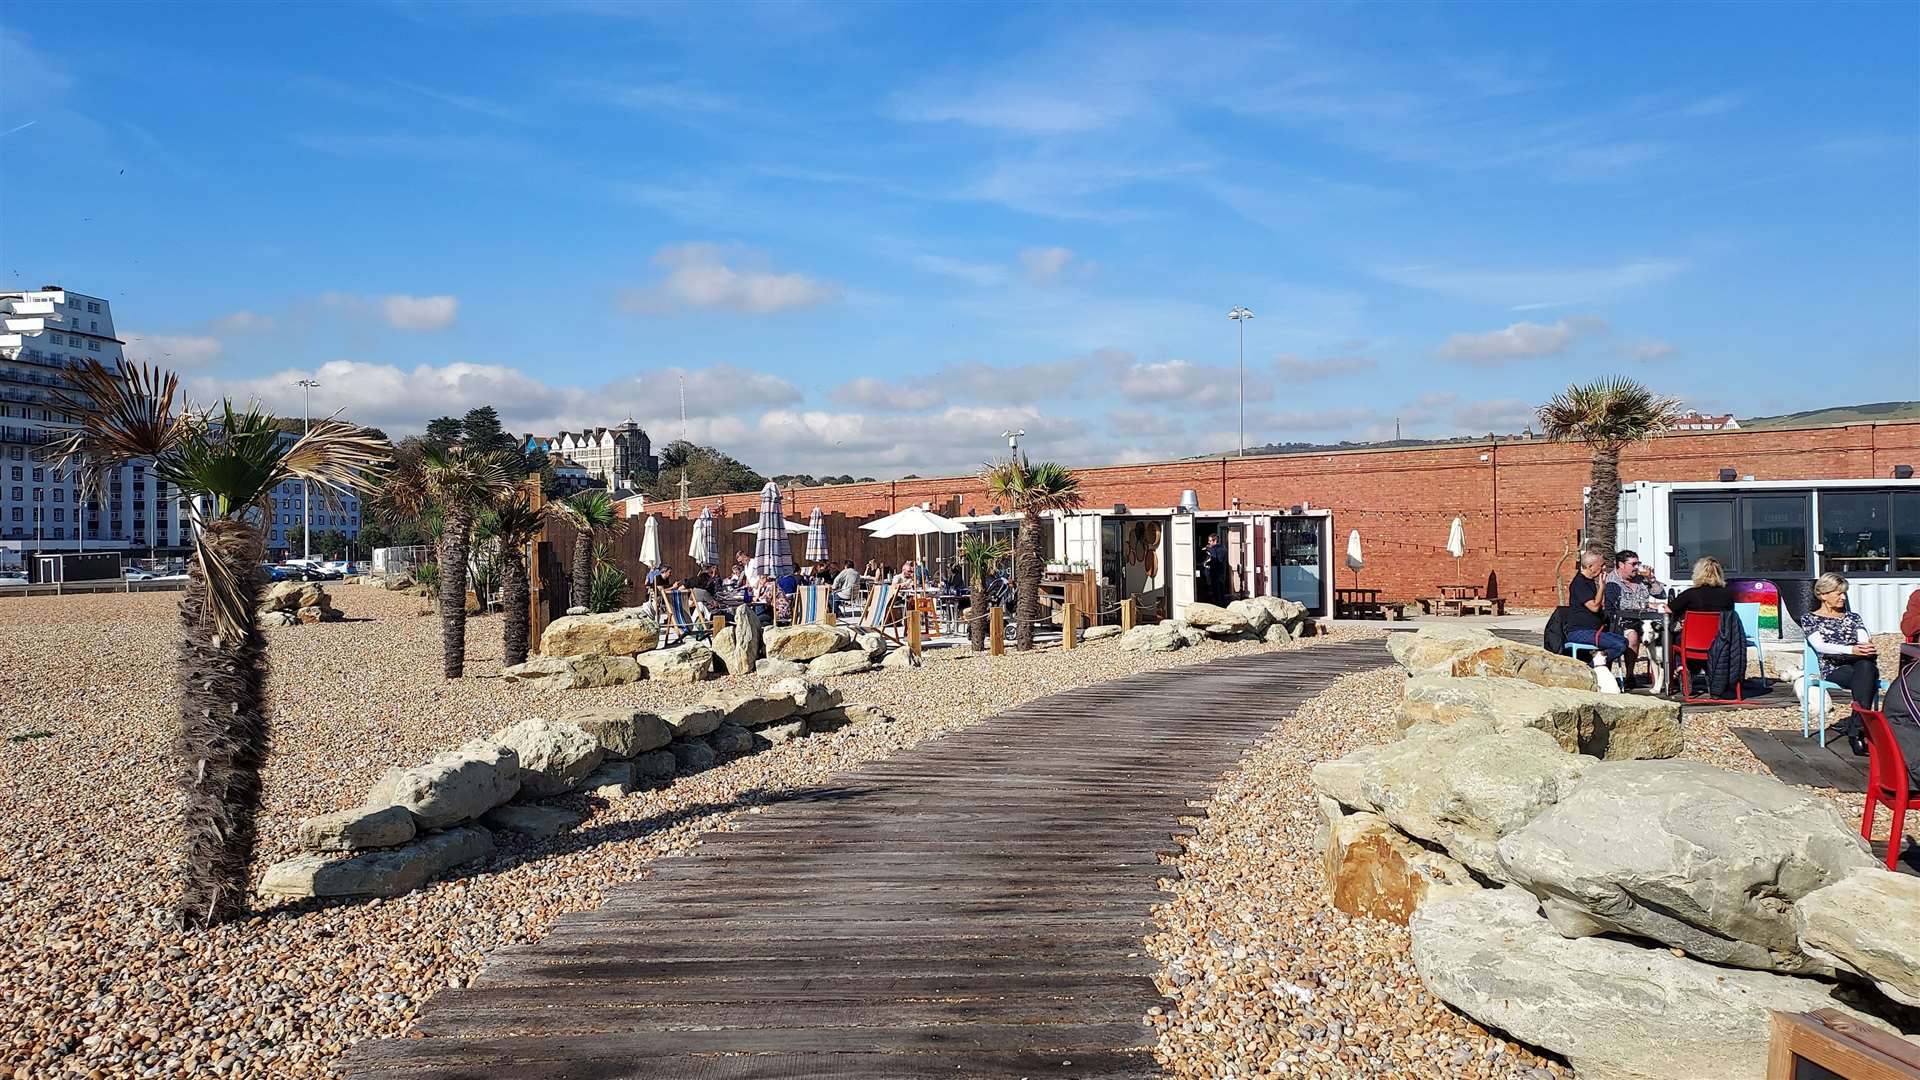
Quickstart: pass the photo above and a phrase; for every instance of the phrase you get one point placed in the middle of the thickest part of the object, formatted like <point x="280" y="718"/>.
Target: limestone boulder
<point x="1100" y="633"/>
<point x="900" y="660"/>
<point x="693" y="721"/>
<point x="268" y="620"/>
<point x="1278" y="634"/>
<point x="779" y="669"/>
<point x="1606" y="726"/>
<point x="687" y="662"/>
<point x="282" y="596"/>
<point x="623" y="732"/>
<point x="1159" y="637"/>
<point x="1189" y="634"/>
<point x="730" y="740"/>
<point x="1614" y="1010"/>
<point x="851" y="662"/>
<point x="604" y="669"/>
<point x="576" y="635"/>
<point x="553" y="672"/>
<point x="630" y="634"/>
<point x="648" y="768"/>
<point x="535" y="822"/>
<point x="378" y="873"/>
<point x="738" y="645"/>
<point x="807" y="642"/>
<point x="842" y="715"/>
<point x="692" y="756"/>
<point x="554" y="755"/>
<point x="779" y="733"/>
<point x="1463" y="651"/>
<point x="1371" y="869"/>
<point x="455" y="786"/>
<point x="807" y="695"/>
<point x="1688" y="855"/>
<point x="871" y="643"/>
<point x="1288" y="613"/>
<point x="1216" y="620"/>
<point x="357" y="829"/>
<point x="1869" y="923"/>
<point x="757" y="708"/>
<point x="614" y="779"/>
<point x="1257" y="617"/>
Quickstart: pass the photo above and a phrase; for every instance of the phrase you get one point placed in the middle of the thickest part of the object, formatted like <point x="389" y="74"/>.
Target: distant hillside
<point x="1879" y="412"/>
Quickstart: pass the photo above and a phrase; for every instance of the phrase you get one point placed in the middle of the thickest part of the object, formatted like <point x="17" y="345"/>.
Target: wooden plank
<point x="1019" y="1065"/>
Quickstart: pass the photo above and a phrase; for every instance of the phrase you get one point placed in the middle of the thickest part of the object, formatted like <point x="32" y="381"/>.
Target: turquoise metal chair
<point x="1810" y="663"/>
<point x="1750" y="626"/>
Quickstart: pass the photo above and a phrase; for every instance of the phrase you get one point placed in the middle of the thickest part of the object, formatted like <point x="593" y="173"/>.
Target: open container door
<point x="1182" y="564"/>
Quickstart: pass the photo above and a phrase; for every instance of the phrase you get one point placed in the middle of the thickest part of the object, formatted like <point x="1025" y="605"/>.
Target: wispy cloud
<point x="1044" y="265"/>
<point x="1299" y="368"/>
<point x="467" y="103"/>
<point x="439" y="148"/>
<point x="173" y="350"/>
<point x="1536" y="288"/>
<point x="867" y="392"/>
<point x="243" y="322"/>
<point x="401" y="311"/>
<point x="698" y="276"/>
<point x="977" y="273"/>
<point x="1520" y="341"/>
<point x="666" y="98"/>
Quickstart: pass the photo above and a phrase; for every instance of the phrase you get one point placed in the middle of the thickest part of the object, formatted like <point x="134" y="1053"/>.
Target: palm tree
<point x="593" y="514"/>
<point x="515" y="523"/>
<point x="227" y="461"/>
<point x="979" y="555"/>
<point x="1609" y="416"/>
<point x="1030" y="490"/>
<point x="459" y="484"/>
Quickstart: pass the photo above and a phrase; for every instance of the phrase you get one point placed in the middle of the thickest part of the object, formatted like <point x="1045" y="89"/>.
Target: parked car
<point x="134" y="573"/>
<point x="12" y="578"/>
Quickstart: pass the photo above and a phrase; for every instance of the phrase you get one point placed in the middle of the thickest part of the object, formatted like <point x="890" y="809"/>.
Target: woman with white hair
<point x="1840" y="639"/>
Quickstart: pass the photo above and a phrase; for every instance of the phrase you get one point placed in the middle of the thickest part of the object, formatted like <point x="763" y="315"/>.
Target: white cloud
<point x="1300" y="368"/>
<point x="1043" y="265"/>
<point x="698" y="277"/>
<point x="173" y="350"/>
<point x="1500" y="416"/>
<point x="405" y="312"/>
<point x="1188" y="384"/>
<point x="1534" y="289"/>
<point x="243" y="322"/>
<point x="1521" y="341"/>
<point x="868" y="392"/>
<point x="1647" y="349"/>
<point x="982" y="274"/>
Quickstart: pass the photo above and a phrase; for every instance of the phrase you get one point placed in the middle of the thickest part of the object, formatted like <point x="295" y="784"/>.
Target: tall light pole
<point x="1240" y="315"/>
<point x="306" y="498"/>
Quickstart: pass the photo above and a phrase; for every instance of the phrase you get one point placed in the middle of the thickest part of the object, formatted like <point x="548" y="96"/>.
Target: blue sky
<point x="872" y="237"/>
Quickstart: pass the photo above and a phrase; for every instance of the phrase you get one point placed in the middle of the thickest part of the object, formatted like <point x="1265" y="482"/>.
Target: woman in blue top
<point x="1840" y="639"/>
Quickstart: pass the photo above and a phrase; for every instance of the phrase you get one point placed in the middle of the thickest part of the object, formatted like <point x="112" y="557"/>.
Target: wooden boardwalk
<point x="972" y="907"/>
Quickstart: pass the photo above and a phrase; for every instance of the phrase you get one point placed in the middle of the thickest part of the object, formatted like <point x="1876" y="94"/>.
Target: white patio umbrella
<point x="916" y="522"/>
<point x="650" y="543"/>
<point x="1354" y="559"/>
<point x="705" y="548"/>
<point x="1457" y="544"/>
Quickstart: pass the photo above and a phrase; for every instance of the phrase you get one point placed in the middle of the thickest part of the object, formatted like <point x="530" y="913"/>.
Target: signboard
<point x="1766" y="595"/>
<point x="1827" y="1044"/>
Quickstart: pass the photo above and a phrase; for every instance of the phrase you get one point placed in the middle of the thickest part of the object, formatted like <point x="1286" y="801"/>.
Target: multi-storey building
<point x="619" y="457"/>
<point x="331" y="512"/>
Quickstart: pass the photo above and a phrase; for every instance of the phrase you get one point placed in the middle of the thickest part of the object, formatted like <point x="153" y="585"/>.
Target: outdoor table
<point x="1357" y="603"/>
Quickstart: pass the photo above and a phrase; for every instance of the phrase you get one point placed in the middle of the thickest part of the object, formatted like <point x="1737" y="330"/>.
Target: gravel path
<point x="92" y="983"/>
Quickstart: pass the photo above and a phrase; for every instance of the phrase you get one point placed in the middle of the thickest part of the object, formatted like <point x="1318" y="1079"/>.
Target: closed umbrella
<point x="791" y="526"/>
<point x="705" y="549"/>
<point x="772" y="557"/>
<point x="1354" y="559"/>
<point x="1457" y="544"/>
<point x="816" y="539"/>
<point x="650" y="543"/>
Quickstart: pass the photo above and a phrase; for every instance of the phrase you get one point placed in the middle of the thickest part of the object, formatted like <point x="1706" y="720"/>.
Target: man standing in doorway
<point x="1215" y="569"/>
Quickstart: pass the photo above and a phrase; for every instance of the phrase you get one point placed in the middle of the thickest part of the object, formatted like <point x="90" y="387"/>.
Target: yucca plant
<point x="608" y="591"/>
<point x="227" y="462"/>
<point x="428" y="574"/>
<point x="1609" y="416"/>
<point x="459" y="483"/>
<point x="594" y="517"/>
<point x="515" y="523"/>
<point x="980" y="556"/>
<point x="1031" y="490"/>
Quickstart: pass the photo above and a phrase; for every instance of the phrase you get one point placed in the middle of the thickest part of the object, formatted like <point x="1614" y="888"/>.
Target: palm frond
<point x="593" y="511"/>
<point x="517" y="521"/>
<point x="338" y="456"/>
<point x="226" y="552"/>
<point x="1027" y="487"/>
<point x="1608" y="414"/>
<point x="125" y="413"/>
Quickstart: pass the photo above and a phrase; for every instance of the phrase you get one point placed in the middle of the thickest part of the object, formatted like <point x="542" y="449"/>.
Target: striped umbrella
<point x="705" y="549"/>
<point x="816" y="539"/>
<point x="772" y="555"/>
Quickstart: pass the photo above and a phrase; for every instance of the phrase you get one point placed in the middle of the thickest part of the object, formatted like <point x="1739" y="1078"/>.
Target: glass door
<point x="1297" y="561"/>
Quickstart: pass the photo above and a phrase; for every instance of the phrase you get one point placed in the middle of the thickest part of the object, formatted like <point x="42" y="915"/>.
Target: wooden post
<point x="996" y="630"/>
<point x="1069" y="625"/>
<point x="832" y="619"/>
<point x="1129" y="613"/>
<point x="913" y="634"/>
<point x="719" y="623"/>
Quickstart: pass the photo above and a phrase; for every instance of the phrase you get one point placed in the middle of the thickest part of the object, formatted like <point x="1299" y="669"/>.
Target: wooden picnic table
<point x="1358" y="604"/>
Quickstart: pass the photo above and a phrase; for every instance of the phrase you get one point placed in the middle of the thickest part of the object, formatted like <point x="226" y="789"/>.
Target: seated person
<point x="1709" y="592"/>
<point x="1633" y="589"/>
<point x="909" y="575"/>
<point x="846" y="585"/>
<point x="1586" y="620"/>
<point x="1841" y="642"/>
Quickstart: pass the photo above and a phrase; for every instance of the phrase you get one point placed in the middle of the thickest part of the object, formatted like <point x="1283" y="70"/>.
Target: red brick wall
<point x="1520" y="500"/>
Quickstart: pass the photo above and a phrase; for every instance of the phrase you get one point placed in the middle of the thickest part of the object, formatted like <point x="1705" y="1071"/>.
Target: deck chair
<point x="676" y="614"/>
<point x="877" y="616"/>
<point x="811" y="604"/>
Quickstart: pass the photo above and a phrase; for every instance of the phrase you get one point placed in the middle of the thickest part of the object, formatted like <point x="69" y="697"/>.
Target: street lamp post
<point x="306" y="498"/>
<point x="1240" y="315"/>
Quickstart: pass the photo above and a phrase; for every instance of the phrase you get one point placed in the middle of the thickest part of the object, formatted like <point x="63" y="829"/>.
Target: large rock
<point x="357" y="829"/>
<point x="687" y="662"/>
<point x="807" y="642"/>
<point x="694" y="721"/>
<point x="738" y="645"/>
<point x="536" y="822"/>
<point x="779" y="669"/>
<point x="901" y="660"/>
<point x="1607" y="726"/>
<point x="378" y="873"/>
<point x="693" y="755"/>
<point x="872" y="643"/>
<point x="1278" y="634"/>
<point x="757" y="708"/>
<point x="1868" y="922"/>
<point x="1614" y="1010"/>
<point x="659" y="765"/>
<point x="807" y="695"/>
<point x="1159" y="637"/>
<point x="1189" y="634"/>
<point x="282" y="596"/>
<point x="1463" y="651"/>
<point x="455" y="786"/>
<point x="614" y="779"/>
<point x="1216" y="620"/>
<point x="604" y="669"/>
<point x="1257" y="617"/>
<point x="1463" y="787"/>
<point x="840" y="716"/>
<point x="851" y="662"/>
<point x="1099" y="633"/>
<point x="554" y="754"/>
<point x="630" y="634"/>
<point x="267" y="620"/>
<point x="623" y="732"/>
<point x="1688" y="855"/>
<point x="553" y="672"/>
<point x="1372" y="869"/>
<point x="730" y="740"/>
<point x="1288" y="613"/>
<point x="576" y="635"/>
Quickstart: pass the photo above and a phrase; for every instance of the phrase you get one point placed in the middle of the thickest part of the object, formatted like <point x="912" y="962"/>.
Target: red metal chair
<point x="1697" y="631"/>
<point x="1887" y="781"/>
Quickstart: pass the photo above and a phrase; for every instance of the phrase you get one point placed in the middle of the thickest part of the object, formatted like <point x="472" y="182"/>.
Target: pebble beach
<point x="93" y="982"/>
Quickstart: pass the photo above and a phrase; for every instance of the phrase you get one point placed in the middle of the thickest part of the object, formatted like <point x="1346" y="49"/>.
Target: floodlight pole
<point x="306" y="498"/>
<point x="1240" y="315"/>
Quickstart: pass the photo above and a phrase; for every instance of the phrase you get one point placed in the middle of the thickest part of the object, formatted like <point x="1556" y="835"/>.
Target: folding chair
<point x="1888" y="782"/>
<point x="877" y="616"/>
<point x="812" y="604"/>
<point x="676" y="614"/>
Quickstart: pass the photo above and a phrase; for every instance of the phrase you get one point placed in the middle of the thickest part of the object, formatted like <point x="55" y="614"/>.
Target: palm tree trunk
<point x="453" y="593"/>
<point x="977" y="610"/>
<point x="582" y="590"/>
<point x="1603" y="501"/>
<point x="515" y="625"/>
<point x="223" y="732"/>
<point x="1027" y="569"/>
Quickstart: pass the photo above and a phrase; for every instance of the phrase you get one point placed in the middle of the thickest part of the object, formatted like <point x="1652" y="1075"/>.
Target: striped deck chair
<point x="676" y="614"/>
<point x="878" y="615"/>
<point x="811" y="604"/>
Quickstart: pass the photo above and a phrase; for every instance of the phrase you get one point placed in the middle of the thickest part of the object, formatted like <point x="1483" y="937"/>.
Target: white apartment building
<point x="618" y="457"/>
<point x="331" y="511"/>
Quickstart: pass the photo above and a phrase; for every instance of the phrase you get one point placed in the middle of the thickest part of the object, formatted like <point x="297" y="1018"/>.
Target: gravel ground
<point x="92" y="982"/>
<point x="1267" y="979"/>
